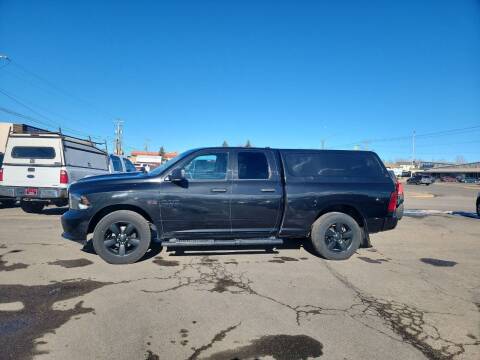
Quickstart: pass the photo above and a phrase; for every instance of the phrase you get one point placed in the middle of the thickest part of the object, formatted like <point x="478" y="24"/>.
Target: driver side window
<point x="207" y="167"/>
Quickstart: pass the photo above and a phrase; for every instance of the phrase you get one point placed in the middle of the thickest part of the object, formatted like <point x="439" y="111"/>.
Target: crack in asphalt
<point x="406" y="321"/>
<point x="213" y="273"/>
<point x="216" y="338"/>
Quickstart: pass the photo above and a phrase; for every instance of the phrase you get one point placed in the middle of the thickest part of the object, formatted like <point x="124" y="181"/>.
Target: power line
<point x="60" y="90"/>
<point x="18" y="101"/>
<point x="42" y="108"/>
<point x="458" y="131"/>
<point x="49" y="121"/>
<point x="23" y="116"/>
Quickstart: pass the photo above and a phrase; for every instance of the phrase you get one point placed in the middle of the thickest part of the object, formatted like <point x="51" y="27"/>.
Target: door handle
<point x="218" y="190"/>
<point x="268" y="190"/>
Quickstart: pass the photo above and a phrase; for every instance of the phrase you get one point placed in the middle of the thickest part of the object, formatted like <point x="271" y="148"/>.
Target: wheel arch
<point x="346" y="209"/>
<point x="352" y="211"/>
<point x="111" y="208"/>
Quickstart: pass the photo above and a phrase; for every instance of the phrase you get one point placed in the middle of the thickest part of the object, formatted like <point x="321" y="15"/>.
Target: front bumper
<point x="75" y="224"/>
<point x="19" y="192"/>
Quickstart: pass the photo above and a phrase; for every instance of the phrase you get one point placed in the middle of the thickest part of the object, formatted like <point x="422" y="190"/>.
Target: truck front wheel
<point x="122" y="237"/>
<point x="336" y="236"/>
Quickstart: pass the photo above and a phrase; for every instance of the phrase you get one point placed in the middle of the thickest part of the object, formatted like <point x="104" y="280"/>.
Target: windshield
<point x="159" y="170"/>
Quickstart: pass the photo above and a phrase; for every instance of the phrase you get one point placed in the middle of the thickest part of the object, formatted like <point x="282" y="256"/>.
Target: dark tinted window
<point x="1" y="159"/>
<point x="333" y="164"/>
<point x="117" y="164"/>
<point x="252" y="165"/>
<point x="33" y="152"/>
<point x="129" y="166"/>
<point x="207" y="167"/>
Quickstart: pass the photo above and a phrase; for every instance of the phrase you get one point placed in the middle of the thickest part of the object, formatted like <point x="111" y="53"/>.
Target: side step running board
<point x="214" y="242"/>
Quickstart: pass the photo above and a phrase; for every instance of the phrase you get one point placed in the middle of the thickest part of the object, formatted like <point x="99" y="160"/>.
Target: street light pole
<point x="413" y="147"/>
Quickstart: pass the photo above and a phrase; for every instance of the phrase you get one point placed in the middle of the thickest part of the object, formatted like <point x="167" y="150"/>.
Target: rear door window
<point x="129" y="167"/>
<point x="252" y="165"/>
<point x="328" y="165"/>
<point x="33" y="152"/>
<point x="116" y="163"/>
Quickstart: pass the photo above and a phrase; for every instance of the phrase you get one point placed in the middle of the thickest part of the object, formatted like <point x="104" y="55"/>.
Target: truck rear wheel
<point x="8" y="203"/>
<point x="336" y="236"/>
<point x="32" y="207"/>
<point x="122" y="237"/>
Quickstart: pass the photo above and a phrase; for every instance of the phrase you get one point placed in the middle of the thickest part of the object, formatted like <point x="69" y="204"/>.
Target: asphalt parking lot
<point x="415" y="294"/>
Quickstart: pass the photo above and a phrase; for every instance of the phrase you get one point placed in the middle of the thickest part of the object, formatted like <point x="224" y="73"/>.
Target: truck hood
<point x="112" y="177"/>
<point x="99" y="182"/>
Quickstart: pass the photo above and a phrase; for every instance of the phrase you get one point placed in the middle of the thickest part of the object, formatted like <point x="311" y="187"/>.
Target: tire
<point x="32" y="207"/>
<point x="61" y="203"/>
<point x="122" y="237"/>
<point x="323" y="236"/>
<point x="8" y="203"/>
<point x="478" y="209"/>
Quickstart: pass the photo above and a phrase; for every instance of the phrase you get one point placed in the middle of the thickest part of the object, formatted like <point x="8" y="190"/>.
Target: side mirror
<point x="177" y="175"/>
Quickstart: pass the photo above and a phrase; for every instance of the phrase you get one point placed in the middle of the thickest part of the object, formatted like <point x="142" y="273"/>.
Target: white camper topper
<point x="38" y="167"/>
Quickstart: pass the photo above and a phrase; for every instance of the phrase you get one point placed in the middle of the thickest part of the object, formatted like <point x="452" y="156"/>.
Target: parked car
<point x="406" y="173"/>
<point x="120" y="164"/>
<point x="5" y="201"/>
<point x="39" y="167"/>
<point x="421" y="180"/>
<point x="237" y="197"/>
<point x="470" y="180"/>
<point x="448" y="179"/>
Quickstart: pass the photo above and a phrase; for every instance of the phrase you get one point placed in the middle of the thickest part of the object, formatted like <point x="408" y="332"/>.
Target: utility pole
<point x="119" y="137"/>
<point x="323" y="143"/>
<point x="145" y="147"/>
<point x="413" y="148"/>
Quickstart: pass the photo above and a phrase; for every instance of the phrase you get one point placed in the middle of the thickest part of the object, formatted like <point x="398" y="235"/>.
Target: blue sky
<point x="185" y="74"/>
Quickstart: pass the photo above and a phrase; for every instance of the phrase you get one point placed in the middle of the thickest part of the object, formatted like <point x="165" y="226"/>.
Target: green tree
<point x="161" y="152"/>
<point x="248" y="144"/>
<point x="225" y="143"/>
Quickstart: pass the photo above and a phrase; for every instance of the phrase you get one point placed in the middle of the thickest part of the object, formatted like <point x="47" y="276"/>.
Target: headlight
<point x="78" y="202"/>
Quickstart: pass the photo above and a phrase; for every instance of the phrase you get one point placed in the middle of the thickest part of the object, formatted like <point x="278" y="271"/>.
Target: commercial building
<point x="150" y="159"/>
<point x="469" y="170"/>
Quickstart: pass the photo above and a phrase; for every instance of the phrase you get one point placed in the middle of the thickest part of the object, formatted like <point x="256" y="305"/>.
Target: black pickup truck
<point x="236" y="197"/>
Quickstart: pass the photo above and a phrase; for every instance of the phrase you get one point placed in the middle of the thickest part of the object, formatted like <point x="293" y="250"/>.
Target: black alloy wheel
<point x="121" y="238"/>
<point x="338" y="237"/>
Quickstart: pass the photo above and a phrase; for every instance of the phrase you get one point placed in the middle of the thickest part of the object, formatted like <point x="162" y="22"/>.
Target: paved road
<point x="442" y="196"/>
<point x="414" y="295"/>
